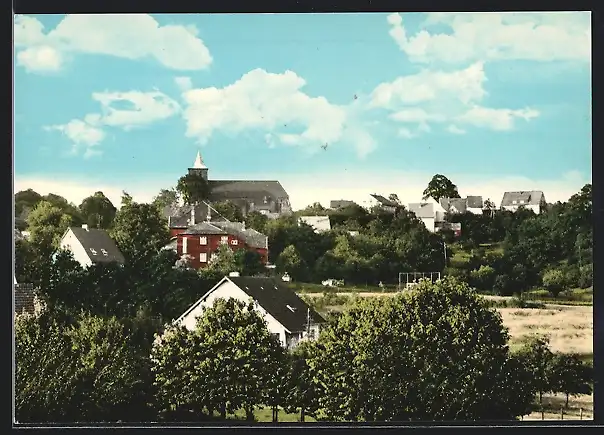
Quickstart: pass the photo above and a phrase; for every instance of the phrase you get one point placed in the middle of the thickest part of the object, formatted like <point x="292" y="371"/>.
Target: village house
<point x="91" y="246"/>
<point x="264" y="196"/>
<point x="430" y="212"/>
<point x="385" y="203"/>
<point x="530" y="200"/>
<point x="340" y="203"/>
<point x="287" y="316"/>
<point x="201" y="240"/>
<point x="320" y="224"/>
<point x="471" y="204"/>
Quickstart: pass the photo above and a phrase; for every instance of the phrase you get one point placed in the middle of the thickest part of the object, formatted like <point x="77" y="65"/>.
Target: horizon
<point x="486" y="99"/>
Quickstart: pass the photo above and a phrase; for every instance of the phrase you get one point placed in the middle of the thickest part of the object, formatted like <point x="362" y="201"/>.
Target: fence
<point x="561" y="414"/>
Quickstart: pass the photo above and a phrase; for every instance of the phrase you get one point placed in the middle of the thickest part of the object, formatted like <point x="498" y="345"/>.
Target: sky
<point x="334" y="106"/>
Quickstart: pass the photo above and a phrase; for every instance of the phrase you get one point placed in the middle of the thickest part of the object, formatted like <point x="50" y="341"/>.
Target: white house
<point x="430" y="212"/>
<point x="287" y="316"/>
<point x="472" y="204"/>
<point x="91" y="245"/>
<point x="319" y="223"/>
<point x="530" y="199"/>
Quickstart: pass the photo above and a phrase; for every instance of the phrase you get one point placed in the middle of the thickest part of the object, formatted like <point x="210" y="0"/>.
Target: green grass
<point x="303" y="287"/>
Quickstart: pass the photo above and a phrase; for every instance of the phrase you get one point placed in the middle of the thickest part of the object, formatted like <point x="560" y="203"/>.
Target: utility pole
<point x="445" y="251"/>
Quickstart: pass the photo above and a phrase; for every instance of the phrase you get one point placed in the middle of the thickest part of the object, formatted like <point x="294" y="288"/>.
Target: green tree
<point x="229" y="210"/>
<point x="47" y="224"/>
<point x="26" y="201"/>
<point x="139" y="229"/>
<point x="98" y="211"/>
<point x="569" y="375"/>
<point x="248" y="262"/>
<point x="483" y="277"/>
<point x="301" y="392"/>
<point x="315" y="209"/>
<point x="538" y="357"/>
<point x="165" y="198"/>
<point x="193" y="188"/>
<point x="434" y="353"/>
<point x="224" y="261"/>
<point x="256" y="221"/>
<point x="440" y="187"/>
<point x="554" y="281"/>
<point x="290" y="261"/>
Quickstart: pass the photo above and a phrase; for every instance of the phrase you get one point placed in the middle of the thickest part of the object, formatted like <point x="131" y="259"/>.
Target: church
<point x="264" y="196"/>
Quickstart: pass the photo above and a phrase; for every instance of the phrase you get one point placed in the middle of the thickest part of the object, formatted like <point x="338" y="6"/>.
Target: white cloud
<point x="82" y="135"/>
<point x="405" y="133"/>
<point x="444" y="96"/>
<point x="184" y="83"/>
<point x="41" y="58"/>
<point x="308" y="188"/>
<point x="274" y="103"/>
<point x="455" y="129"/>
<point x="130" y="36"/>
<point x="543" y="36"/>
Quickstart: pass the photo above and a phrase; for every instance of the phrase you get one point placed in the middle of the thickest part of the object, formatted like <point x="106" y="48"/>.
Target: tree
<point x="538" y="357"/>
<point x="165" y="198"/>
<point x="223" y="261"/>
<point x="193" y="188"/>
<point x="489" y="207"/>
<point x="249" y="262"/>
<point x="434" y="353"/>
<point x="315" y="209"/>
<point x="569" y="375"/>
<point x="554" y="281"/>
<point x="301" y="392"/>
<point x="98" y="211"/>
<point x="47" y="224"/>
<point x="289" y="261"/>
<point x="440" y="187"/>
<point x="256" y="221"/>
<point x="139" y="229"/>
<point x="483" y="277"/>
<point x="25" y="201"/>
<point x="394" y="198"/>
<point x="227" y="363"/>
<point x="229" y="210"/>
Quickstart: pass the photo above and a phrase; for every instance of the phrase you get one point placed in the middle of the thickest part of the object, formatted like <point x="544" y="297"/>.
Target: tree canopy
<point x="440" y="187"/>
<point x="193" y="188"/>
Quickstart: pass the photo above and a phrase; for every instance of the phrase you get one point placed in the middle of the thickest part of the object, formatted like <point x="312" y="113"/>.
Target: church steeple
<point x="199" y="168"/>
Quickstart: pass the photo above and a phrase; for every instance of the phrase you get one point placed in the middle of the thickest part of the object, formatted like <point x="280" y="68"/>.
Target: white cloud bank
<point x="142" y="109"/>
<point x="305" y="190"/>
<point x="129" y="36"/>
<point x="490" y="36"/>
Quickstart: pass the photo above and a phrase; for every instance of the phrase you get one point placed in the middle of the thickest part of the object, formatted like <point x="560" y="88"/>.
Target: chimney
<point x="193" y="215"/>
<point x="85" y="226"/>
<point x="234" y="274"/>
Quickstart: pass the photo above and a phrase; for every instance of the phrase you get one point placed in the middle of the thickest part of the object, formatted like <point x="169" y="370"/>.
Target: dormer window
<point x="93" y="251"/>
<point x="234" y="242"/>
<point x="292" y="309"/>
<point x="104" y="252"/>
<point x="265" y="199"/>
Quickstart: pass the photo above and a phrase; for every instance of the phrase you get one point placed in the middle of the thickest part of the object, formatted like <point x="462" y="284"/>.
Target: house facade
<point x="200" y="241"/>
<point x="287" y="316"/>
<point x="530" y="199"/>
<point x="320" y="224"/>
<point x="384" y="203"/>
<point x="430" y="212"/>
<point x="471" y="204"/>
<point x="91" y="245"/>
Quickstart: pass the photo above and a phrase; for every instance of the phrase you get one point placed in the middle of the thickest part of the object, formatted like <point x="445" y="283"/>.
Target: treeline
<point x="436" y="353"/>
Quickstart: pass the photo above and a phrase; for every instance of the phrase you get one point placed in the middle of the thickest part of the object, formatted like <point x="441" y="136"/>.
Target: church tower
<point x="199" y="168"/>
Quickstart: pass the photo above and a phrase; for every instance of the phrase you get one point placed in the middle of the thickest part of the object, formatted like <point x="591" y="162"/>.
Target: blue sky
<point x="494" y="101"/>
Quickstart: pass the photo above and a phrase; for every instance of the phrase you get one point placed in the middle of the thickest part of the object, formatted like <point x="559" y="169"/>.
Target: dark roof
<point x="248" y="189"/>
<point x="274" y="296"/>
<point x="179" y="216"/>
<point x="340" y="203"/>
<point x="384" y="201"/>
<point x="203" y="228"/>
<point x="529" y="197"/>
<point x="99" y="246"/>
<point x="474" y="202"/>
<point x="24" y="298"/>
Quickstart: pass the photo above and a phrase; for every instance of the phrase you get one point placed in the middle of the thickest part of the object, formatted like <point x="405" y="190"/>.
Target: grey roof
<point x="460" y="204"/>
<point x="319" y="223"/>
<point x="248" y="189"/>
<point x="422" y="210"/>
<point x="180" y="216"/>
<point x="99" y="246"/>
<point x="274" y="296"/>
<point x="474" y="202"/>
<point x="252" y="238"/>
<point x="340" y="203"/>
<point x="384" y="201"/>
<point x="524" y="197"/>
<point x="24" y="298"/>
<point x="203" y="228"/>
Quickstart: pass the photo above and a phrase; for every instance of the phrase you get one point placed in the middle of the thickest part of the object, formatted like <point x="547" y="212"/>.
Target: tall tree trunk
<point x="223" y="413"/>
<point x="302" y="415"/>
<point x="566" y="400"/>
<point x="540" y="397"/>
<point x="249" y="413"/>
<point x="275" y="414"/>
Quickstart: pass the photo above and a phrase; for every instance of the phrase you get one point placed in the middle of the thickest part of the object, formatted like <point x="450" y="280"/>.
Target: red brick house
<point x="201" y="240"/>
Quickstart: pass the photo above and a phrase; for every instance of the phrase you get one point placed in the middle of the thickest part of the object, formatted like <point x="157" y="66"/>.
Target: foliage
<point x="570" y="375"/>
<point x="98" y="211"/>
<point x="82" y="369"/>
<point x="230" y="361"/>
<point x="165" y="198"/>
<point x="256" y="221"/>
<point x="483" y="278"/>
<point x="290" y="261"/>
<point x="434" y="353"/>
<point x="249" y="262"/>
<point x="440" y="187"/>
<point x="223" y="260"/>
<point x="537" y="356"/>
<point x="300" y="390"/>
<point x="229" y="210"/>
<point x="554" y="281"/>
<point x="193" y="188"/>
<point x="47" y="224"/>
<point x="139" y="230"/>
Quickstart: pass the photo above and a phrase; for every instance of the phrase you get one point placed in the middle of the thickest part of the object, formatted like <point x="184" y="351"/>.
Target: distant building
<point x="531" y="200"/>
<point x="385" y="203"/>
<point x="340" y="203"/>
<point x="201" y="240"/>
<point x="319" y="223"/>
<point x="91" y="245"/>
<point x="472" y="204"/>
<point x="26" y="300"/>
<point x="287" y="316"/>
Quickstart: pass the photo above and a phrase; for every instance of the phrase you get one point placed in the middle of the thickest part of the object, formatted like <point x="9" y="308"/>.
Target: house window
<point x="224" y="240"/>
<point x="203" y="257"/>
<point x="203" y="241"/>
<point x="514" y="202"/>
<point x="104" y="252"/>
<point x="234" y="242"/>
<point x="184" y="245"/>
<point x="93" y="251"/>
<point x="522" y="201"/>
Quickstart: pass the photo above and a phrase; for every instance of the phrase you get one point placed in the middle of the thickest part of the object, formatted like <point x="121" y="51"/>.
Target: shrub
<point x="554" y="281"/>
<point x="483" y="278"/>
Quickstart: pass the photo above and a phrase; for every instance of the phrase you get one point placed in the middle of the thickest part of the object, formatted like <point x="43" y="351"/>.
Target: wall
<point x="514" y="208"/>
<point x="71" y="243"/>
<point x="477" y="211"/>
<point x="429" y="223"/>
<point x="229" y="290"/>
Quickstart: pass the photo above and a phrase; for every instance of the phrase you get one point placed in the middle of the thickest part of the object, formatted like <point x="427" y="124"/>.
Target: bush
<point x="483" y="278"/>
<point x="503" y="285"/>
<point x="554" y="281"/>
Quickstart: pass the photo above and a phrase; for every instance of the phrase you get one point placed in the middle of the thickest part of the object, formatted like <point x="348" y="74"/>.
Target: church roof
<point x="250" y="189"/>
<point x="199" y="162"/>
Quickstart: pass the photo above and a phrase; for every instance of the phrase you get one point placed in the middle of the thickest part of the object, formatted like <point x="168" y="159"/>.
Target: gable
<point x="248" y="189"/>
<point x="99" y="246"/>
